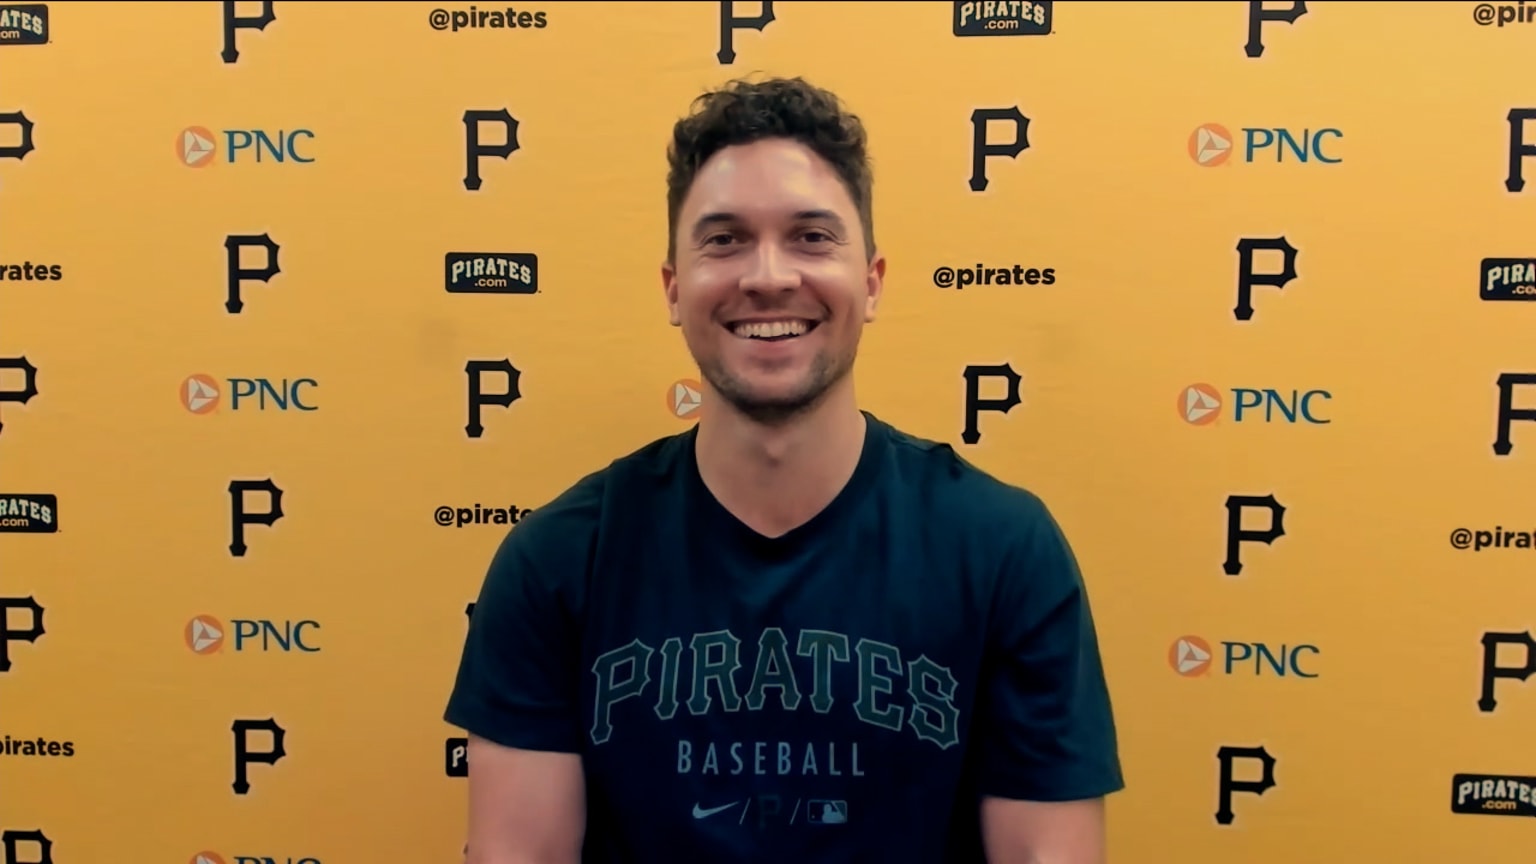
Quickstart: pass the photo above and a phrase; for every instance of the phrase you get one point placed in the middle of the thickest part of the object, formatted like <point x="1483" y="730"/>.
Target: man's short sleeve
<point x="1045" y="723"/>
<point x="517" y="676"/>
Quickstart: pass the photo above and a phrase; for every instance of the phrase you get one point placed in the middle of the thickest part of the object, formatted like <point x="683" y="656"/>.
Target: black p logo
<point x="1226" y="786"/>
<point x="233" y="22"/>
<point x="38" y="848"/>
<point x="17" y="151"/>
<point x="23" y="394"/>
<point x="1237" y="535"/>
<point x="236" y="274"/>
<point x="1257" y="15"/>
<point x="974" y="404"/>
<point x="474" y="150"/>
<point x="1492" y="671"/>
<point x="1508" y="413"/>
<point x="1247" y="279"/>
<point x="29" y="632"/>
<point x="729" y="23"/>
<point x="475" y="370"/>
<point x="980" y="149"/>
<point x="245" y="756"/>
<point x="1518" y="148"/>
<point x="239" y="517"/>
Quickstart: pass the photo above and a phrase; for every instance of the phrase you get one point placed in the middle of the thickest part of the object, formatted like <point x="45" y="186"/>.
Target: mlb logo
<point x="821" y="812"/>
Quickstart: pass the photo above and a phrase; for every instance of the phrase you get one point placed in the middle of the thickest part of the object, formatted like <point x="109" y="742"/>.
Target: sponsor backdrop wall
<point x="304" y="305"/>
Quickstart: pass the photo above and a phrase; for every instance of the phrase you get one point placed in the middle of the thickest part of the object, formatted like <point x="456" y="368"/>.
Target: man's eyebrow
<point x="709" y="220"/>
<point x="721" y="217"/>
<point x="820" y="216"/>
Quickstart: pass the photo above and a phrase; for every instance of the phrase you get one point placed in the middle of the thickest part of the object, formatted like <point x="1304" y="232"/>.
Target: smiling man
<point x="793" y="632"/>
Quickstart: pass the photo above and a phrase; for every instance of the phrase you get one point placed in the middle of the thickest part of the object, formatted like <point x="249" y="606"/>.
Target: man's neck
<point x="775" y="479"/>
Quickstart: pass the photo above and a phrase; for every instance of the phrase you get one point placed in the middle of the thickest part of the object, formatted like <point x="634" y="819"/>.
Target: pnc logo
<point x="1203" y="405"/>
<point x="206" y="857"/>
<point x="684" y="397"/>
<point x="204" y="394"/>
<point x="1210" y="145"/>
<point x="204" y="634"/>
<point x="195" y="147"/>
<point x="198" y="146"/>
<point x="1200" y="404"/>
<point x="1190" y="656"/>
<point x="200" y="394"/>
<point x="1193" y="657"/>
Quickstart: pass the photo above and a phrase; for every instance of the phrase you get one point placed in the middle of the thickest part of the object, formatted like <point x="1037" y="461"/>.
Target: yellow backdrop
<point x="322" y="169"/>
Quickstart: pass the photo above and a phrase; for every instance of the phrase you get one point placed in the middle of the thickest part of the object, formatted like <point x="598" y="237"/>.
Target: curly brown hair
<point x="741" y="112"/>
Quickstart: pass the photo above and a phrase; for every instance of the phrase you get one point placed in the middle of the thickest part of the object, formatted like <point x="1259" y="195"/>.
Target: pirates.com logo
<point x="1493" y="795"/>
<point x="1003" y="19"/>
<point x="23" y="24"/>
<point x="491" y="272"/>
<point x="1507" y="279"/>
<point x="29" y="513"/>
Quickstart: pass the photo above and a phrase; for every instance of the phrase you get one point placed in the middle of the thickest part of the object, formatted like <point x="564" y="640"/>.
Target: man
<point x="792" y="633"/>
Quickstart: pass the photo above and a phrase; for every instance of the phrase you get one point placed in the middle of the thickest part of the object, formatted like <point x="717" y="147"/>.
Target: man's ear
<point x="874" y="282"/>
<point x="669" y="290"/>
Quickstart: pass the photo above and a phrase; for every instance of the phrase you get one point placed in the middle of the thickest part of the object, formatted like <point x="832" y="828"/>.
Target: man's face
<point x="770" y="283"/>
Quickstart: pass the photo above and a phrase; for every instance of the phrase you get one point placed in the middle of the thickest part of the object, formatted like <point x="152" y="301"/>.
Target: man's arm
<point x="1048" y="752"/>
<point x="1043" y="832"/>
<point x="525" y="806"/>
<point x="516" y="696"/>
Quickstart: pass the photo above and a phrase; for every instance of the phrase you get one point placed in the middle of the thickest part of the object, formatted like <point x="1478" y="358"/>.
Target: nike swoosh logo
<point x="701" y="813"/>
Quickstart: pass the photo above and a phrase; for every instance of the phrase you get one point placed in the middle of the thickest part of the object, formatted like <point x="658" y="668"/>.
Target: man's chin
<point x="780" y="391"/>
<point x="770" y="400"/>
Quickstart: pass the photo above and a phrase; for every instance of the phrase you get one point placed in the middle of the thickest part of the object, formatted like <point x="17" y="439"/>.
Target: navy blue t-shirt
<point x="846" y="692"/>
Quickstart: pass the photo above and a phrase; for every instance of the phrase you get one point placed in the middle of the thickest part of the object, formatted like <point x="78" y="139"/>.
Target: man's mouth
<point x="773" y="331"/>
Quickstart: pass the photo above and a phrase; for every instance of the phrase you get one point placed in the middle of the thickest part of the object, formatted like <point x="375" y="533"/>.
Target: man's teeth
<point x="770" y="329"/>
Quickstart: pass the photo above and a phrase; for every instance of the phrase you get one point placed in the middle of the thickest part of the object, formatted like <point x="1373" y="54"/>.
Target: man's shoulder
<point x="952" y="488"/>
<point x="575" y="514"/>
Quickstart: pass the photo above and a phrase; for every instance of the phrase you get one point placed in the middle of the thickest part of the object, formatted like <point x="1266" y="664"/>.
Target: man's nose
<point x="771" y="270"/>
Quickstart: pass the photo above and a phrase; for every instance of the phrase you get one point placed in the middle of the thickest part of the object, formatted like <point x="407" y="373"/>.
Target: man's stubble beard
<point x="825" y="373"/>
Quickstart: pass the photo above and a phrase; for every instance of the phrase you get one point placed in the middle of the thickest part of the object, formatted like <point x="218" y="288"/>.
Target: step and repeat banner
<point x="304" y="305"/>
